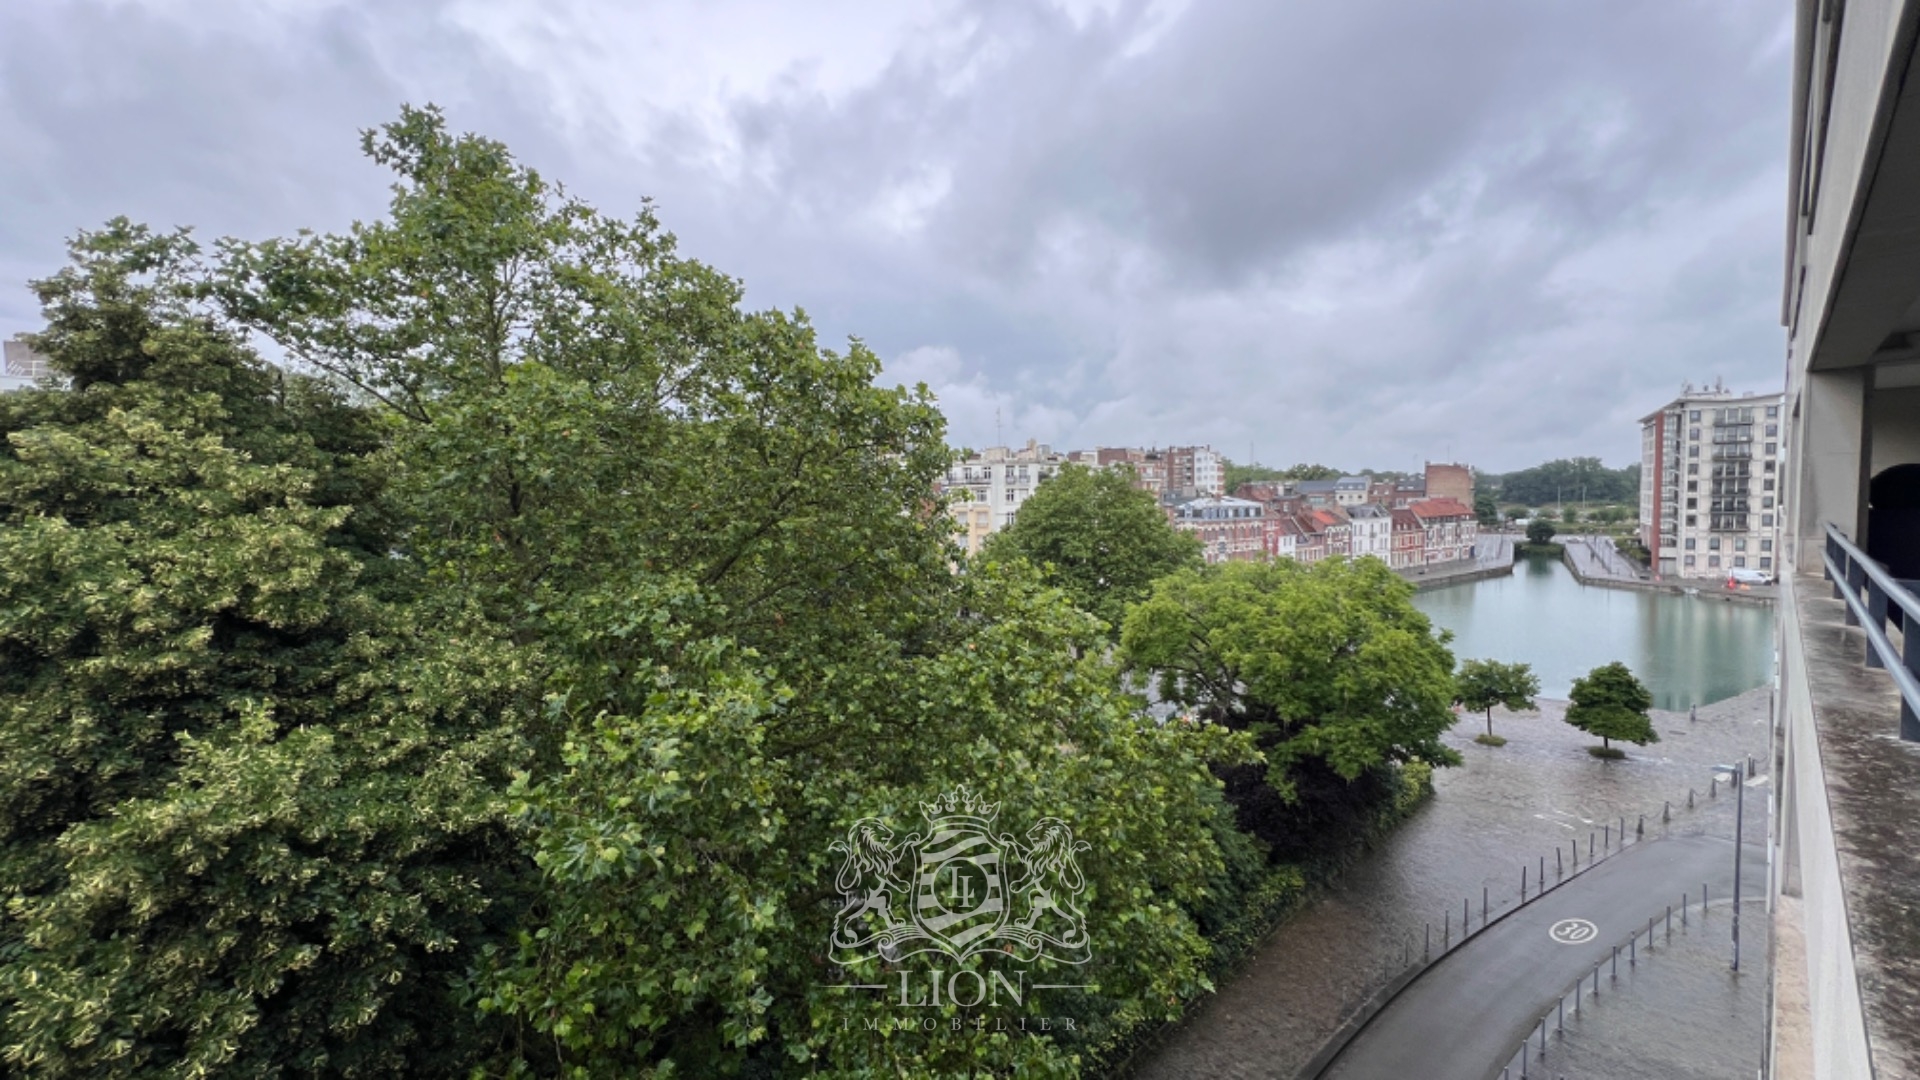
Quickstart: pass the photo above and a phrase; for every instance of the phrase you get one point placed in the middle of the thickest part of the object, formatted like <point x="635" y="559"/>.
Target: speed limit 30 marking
<point x="1573" y="932"/>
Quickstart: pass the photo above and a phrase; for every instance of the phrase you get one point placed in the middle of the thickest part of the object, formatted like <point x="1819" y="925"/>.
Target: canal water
<point x="1688" y="650"/>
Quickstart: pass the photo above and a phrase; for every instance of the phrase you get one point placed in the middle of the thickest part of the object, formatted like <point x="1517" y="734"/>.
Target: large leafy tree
<point x="1100" y="539"/>
<point x="1486" y="683"/>
<point x="251" y="767"/>
<point x="1611" y="702"/>
<point x="714" y="540"/>
<point x="1540" y="531"/>
<point x="1330" y="665"/>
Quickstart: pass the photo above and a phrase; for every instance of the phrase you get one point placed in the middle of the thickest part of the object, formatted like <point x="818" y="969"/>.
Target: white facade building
<point x="22" y="367"/>
<point x="1372" y="532"/>
<point x="1711" y="475"/>
<point x="987" y="488"/>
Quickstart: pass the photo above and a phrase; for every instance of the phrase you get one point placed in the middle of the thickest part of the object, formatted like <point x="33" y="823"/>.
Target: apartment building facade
<point x="985" y="489"/>
<point x="1711" y="474"/>
<point x="1229" y="529"/>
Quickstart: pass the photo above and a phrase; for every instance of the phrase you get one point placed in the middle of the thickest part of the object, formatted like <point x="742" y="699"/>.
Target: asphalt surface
<point x="1467" y="1014"/>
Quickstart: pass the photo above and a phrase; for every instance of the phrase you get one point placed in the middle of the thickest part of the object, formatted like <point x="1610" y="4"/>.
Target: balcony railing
<point x="1872" y="596"/>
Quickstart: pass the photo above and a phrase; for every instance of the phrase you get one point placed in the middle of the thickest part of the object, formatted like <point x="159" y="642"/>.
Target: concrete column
<point x="1829" y="459"/>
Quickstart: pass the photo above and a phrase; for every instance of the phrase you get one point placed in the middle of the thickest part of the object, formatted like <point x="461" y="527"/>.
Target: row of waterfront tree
<point x="480" y="687"/>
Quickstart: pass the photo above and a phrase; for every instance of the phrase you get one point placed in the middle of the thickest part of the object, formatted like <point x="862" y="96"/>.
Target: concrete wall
<point x="1806" y="864"/>
<point x="1824" y="461"/>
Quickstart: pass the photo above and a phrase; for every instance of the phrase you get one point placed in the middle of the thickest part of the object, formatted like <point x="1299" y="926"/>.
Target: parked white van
<point x="1744" y="576"/>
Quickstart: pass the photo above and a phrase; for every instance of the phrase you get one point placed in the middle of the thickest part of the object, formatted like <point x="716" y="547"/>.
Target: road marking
<point x="1573" y="932"/>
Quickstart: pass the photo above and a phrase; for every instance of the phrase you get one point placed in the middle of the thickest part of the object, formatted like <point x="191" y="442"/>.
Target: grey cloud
<point x="1354" y="232"/>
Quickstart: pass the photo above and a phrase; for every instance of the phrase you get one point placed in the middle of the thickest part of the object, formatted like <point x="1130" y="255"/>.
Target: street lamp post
<point x="1739" y="774"/>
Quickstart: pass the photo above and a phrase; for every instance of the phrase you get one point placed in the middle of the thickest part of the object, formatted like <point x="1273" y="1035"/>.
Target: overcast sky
<point x="1363" y="232"/>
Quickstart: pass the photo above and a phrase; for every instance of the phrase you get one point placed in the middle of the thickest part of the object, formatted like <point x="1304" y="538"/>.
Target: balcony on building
<point x="1844" y="885"/>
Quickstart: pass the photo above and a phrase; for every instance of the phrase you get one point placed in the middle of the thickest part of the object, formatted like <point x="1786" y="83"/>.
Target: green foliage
<point x="1486" y="683"/>
<point x="250" y="767"/>
<point x="714" y="537"/>
<point x="1485" y="509"/>
<point x="1611" y="703"/>
<point x="1540" y="531"/>
<point x="1098" y="538"/>
<point x="1567" y="478"/>
<point x="1330" y="662"/>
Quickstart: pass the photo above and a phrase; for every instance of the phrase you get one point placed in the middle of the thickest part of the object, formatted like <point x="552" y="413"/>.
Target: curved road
<point x="1465" y="1016"/>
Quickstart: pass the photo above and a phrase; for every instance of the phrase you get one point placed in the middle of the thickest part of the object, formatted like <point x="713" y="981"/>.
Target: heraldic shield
<point x="959" y="888"/>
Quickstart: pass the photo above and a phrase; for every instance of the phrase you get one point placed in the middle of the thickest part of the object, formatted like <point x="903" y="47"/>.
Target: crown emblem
<point x="960" y="802"/>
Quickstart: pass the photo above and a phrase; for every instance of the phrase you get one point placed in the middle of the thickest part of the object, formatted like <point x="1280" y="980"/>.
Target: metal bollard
<point x="1615" y="973"/>
<point x="1713" y="788"/>
<point x="1427" y="950"/>
<point x="1559" y="865"/>
<point x="1464" y="908"/>
<point x="1542" y="879"/>
<point x="1543" y="1038"/>
<point x="1640" y="830"/>
<point x="1689" y="798"/>
<point x="1633" y="949"/>
<point x="1523" y="883"/>
<point x="1607" y="832"/>
<point x="1590" y="835"/>
<point x="1446" y="930"/>
<point x="1666" y="811"/>
<point x="1703" y="901"/>
<point x="1596" y="980"/>
<point x="1562" y="1003"/>
<point x="1683" y="916"/>
<point x="1683" y="911"/>
<point x="1483" y="907"/>
<point x="1650" y="934"/>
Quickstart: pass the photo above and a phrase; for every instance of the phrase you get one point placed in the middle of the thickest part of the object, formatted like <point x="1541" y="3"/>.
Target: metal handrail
<point x="1851" y="571"/>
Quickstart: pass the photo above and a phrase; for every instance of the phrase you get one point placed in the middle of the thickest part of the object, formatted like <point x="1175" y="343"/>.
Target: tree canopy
<point x="1611" y="703"/>
<point x="1568" y="479"/>
<point x="490" y="695"/>
<point x="1485" y="683"/>
<point x="1098" y="538"/>
<point x="1540" y="531"/>
<point x="1329" y="664"/>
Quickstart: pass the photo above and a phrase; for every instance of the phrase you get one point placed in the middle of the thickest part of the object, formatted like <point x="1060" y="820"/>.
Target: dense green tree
<point x="1237" y="474"/>
<point x="1568" y="478"/>
<point x="1485" y="509"/>
<point x="1486" y="683"/>
<point x="252" y="817"/>
<point x="1330" y="665"/>
<point x="714" y="540"/>
<point x="1100" y="539"/>
<point x="1540" y="531"/>
<point x="1611" y="703"/>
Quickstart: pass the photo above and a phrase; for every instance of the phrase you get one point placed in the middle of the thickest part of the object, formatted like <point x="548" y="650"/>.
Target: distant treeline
<point x="1564" y="480"/>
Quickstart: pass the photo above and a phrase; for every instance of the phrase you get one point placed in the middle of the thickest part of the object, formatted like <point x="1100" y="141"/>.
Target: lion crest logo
<point x="960" y="888"/>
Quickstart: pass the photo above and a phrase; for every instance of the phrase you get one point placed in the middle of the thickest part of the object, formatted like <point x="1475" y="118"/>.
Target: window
<point x="1689" y="560"/>
<point x="1772" y="448"/>
<point x="1693" y="451"/>
<point x="1740" y="544"/>
<point x="1694" y="416"/>
<point x="1773" y="411"/>
<point x="1690" y="543"/>
<point x="1766" y="521"/>
<point x="1766" y="563"/>
<point x="1689" y="521"/>
<point x="1714" y="544"/>
<point x="1769" y="466"/>
<point x="1693" y="434"/>
<point x="1740" y="560"/>
<point x="1768" y="486"/>
<point x="1773" y="430"/>
<point x="1766" y="545"/>
<point x="1693" y="504"/>
<point x="1693" y="485"/>
<point x="1693" y="470"/>
<point x="1713" y="560"/>
<point x="1766" y="503"/>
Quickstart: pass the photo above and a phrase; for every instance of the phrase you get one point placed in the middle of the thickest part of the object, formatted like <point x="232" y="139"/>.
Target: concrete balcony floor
<point x="1873" y="791"/>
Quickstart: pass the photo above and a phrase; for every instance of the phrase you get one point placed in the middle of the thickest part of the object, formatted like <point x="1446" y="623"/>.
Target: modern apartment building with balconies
<point x="1710" y="483"/>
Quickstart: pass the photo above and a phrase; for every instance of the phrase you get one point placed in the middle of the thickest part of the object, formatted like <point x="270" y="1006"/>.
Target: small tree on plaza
<point x="1611" y="703"/>
<point x="1482" y="684"/>
<point x="1540" y="531"/>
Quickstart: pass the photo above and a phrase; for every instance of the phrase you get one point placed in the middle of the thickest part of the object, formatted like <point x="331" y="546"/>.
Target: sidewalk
<point x="1594" y="561"/>
<point x="1493" y="557"/>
